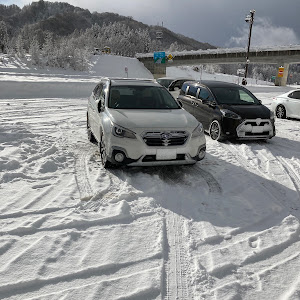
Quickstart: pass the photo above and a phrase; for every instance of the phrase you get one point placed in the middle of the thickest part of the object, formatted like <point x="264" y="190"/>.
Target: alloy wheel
<point x="280" y="112"/>
<point x="215" y="130"/>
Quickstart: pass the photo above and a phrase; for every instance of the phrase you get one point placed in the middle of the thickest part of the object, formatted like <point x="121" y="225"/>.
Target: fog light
<point x="201" y="154"/>
<point x="119" y="157"/>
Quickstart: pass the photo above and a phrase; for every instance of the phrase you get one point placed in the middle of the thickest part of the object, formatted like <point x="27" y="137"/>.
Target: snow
<point x="226" y="228"/>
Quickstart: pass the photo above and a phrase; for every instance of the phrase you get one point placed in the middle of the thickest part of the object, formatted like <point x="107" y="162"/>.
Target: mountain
<point x="63" y="19"/>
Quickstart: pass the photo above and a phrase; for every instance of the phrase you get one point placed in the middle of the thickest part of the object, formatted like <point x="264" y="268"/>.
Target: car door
<point x="92" y="108"/>
<point x="293" y="103"/>
<point x="100" y="101"/>
<point x="188" y="100"/>
<point x="204" y="110"/>
<point x="95" y="115"/>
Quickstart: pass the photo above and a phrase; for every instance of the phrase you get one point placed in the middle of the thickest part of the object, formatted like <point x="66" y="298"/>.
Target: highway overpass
<point x="282" y="56"/>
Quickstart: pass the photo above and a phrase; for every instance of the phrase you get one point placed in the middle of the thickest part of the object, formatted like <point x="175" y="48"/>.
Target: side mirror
<point x="171" y="88"/>
<point x="209" y="103"/>
<point x="259" y="101"/>
<point x="100" y="106"/>
<point x="213" y="104"/>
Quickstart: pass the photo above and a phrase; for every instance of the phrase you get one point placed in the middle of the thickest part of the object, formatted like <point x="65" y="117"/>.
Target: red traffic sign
<point x="280" y="71"/>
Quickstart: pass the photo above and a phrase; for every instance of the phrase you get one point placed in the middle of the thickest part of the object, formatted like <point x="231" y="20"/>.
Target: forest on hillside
<point x="61" y="35"/>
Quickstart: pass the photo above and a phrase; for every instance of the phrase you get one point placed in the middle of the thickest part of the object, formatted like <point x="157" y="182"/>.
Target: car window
<point x="294" y="95"/>
<point x="98" y="90"/>
<point x="234" y="96"/>
<point x="192" y="90"/>
<point x="164" y="82"/>
<point x="183" y="89"/>
<point x="141" y="97"/>
<point x="245" y="97"/>
<point x="205" y="94"/>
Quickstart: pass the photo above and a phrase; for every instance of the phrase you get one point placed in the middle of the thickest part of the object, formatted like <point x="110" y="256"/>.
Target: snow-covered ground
<point x="226" y="228"/>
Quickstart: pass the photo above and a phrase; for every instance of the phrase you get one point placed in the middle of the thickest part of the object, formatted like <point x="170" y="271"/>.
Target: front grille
<point x="253" y="123"/>
<point x="165" y="138"/>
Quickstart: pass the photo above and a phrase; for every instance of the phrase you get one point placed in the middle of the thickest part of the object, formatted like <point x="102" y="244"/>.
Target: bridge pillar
<point x="158" y="70"/>
<point x="281" y="81"/>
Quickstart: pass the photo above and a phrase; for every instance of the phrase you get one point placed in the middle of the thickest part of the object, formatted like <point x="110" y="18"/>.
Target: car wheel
<point x="280" y="112"/>
<point x="103" y="155"/>
<point x="91" y="136"/>
<point x="215" y="131"/>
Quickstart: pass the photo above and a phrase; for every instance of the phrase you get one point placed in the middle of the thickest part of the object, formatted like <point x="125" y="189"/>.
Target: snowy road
<point x="226" y="228"/>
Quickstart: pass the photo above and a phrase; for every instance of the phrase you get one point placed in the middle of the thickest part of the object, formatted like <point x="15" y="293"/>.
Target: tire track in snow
<point x="176" y="266"/>
<point x="82" y="156"/>
<point x="249" y="167"/>
<point x="179" y="175"/>
<point x="82" y="152"/>
<point x="213" y="184"/>
<point x="289" y="169"/>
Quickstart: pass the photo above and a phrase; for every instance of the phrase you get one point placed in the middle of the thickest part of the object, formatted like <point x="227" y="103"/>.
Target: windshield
<point x="141" y="97"/>
<point x="234" y="96"/>
<point x="165" y="82"/>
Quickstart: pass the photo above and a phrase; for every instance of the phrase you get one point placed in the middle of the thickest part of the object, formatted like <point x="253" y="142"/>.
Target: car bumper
<point x="249" y="129"/>
<point x="138" y="153"/>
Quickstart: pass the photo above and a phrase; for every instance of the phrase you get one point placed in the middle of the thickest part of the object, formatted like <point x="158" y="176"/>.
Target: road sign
<point x="159" y="57"/>
<point x="170" y="56"/>
<point x="280" y="71"/>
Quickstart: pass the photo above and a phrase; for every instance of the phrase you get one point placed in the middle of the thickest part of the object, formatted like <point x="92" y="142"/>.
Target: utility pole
<point x="249" y="19"/>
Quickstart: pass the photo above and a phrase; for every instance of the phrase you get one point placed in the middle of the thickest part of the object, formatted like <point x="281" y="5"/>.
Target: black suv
<point x="227" y="110"/>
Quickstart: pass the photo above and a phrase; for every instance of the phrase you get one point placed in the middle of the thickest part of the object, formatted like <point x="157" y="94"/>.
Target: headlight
<point x="122" y="132"/>
<point x="230" y="114"/>
<point x="272" y="115"/>
<point x="197" y="131"/>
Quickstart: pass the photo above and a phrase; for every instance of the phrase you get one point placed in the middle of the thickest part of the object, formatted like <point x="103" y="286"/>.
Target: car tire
<point x="91" y="136"/>
<point x="280" y="112"/>
<point x="215" y="131"/>
<point x="105" y="163"/>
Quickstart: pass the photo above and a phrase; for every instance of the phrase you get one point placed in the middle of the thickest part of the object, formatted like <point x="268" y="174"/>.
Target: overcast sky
<point x="218" y="22"/>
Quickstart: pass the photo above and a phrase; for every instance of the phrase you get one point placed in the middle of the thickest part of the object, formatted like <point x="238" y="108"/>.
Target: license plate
<point x="257" y="129"/>
<point x="166" y="154"/>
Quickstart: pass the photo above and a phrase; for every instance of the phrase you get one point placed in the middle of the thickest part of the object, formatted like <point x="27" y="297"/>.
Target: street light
<point x="249" y="19"/>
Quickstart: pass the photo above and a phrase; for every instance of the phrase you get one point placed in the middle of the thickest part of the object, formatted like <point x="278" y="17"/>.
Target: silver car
<point x="287" y="105"/>
<point x="138" y="123"/>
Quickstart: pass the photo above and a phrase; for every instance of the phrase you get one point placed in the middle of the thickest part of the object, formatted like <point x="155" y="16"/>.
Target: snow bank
<point x="19" y="81"/>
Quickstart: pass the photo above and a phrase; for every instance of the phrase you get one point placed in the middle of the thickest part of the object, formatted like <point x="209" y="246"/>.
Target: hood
<point x="249" y="111"/>
<point x="153" y="118"/>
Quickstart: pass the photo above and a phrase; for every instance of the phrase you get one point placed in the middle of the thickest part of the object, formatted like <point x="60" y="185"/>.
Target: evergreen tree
<point x="3" y="37"/>
<point x="20" y="51"/>
<point x="34" y="51"/>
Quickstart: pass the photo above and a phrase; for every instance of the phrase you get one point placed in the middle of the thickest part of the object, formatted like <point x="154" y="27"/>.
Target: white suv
<point x="137" y="122"/>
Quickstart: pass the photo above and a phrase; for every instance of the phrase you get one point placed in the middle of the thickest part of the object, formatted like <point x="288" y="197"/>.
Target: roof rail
<point x="125" y="78"/>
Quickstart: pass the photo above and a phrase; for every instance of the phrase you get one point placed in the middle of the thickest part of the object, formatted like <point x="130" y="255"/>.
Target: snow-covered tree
<point x="34" y="51"/>
<point x="3" y="36"/>
<point x="20" y="51"/>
